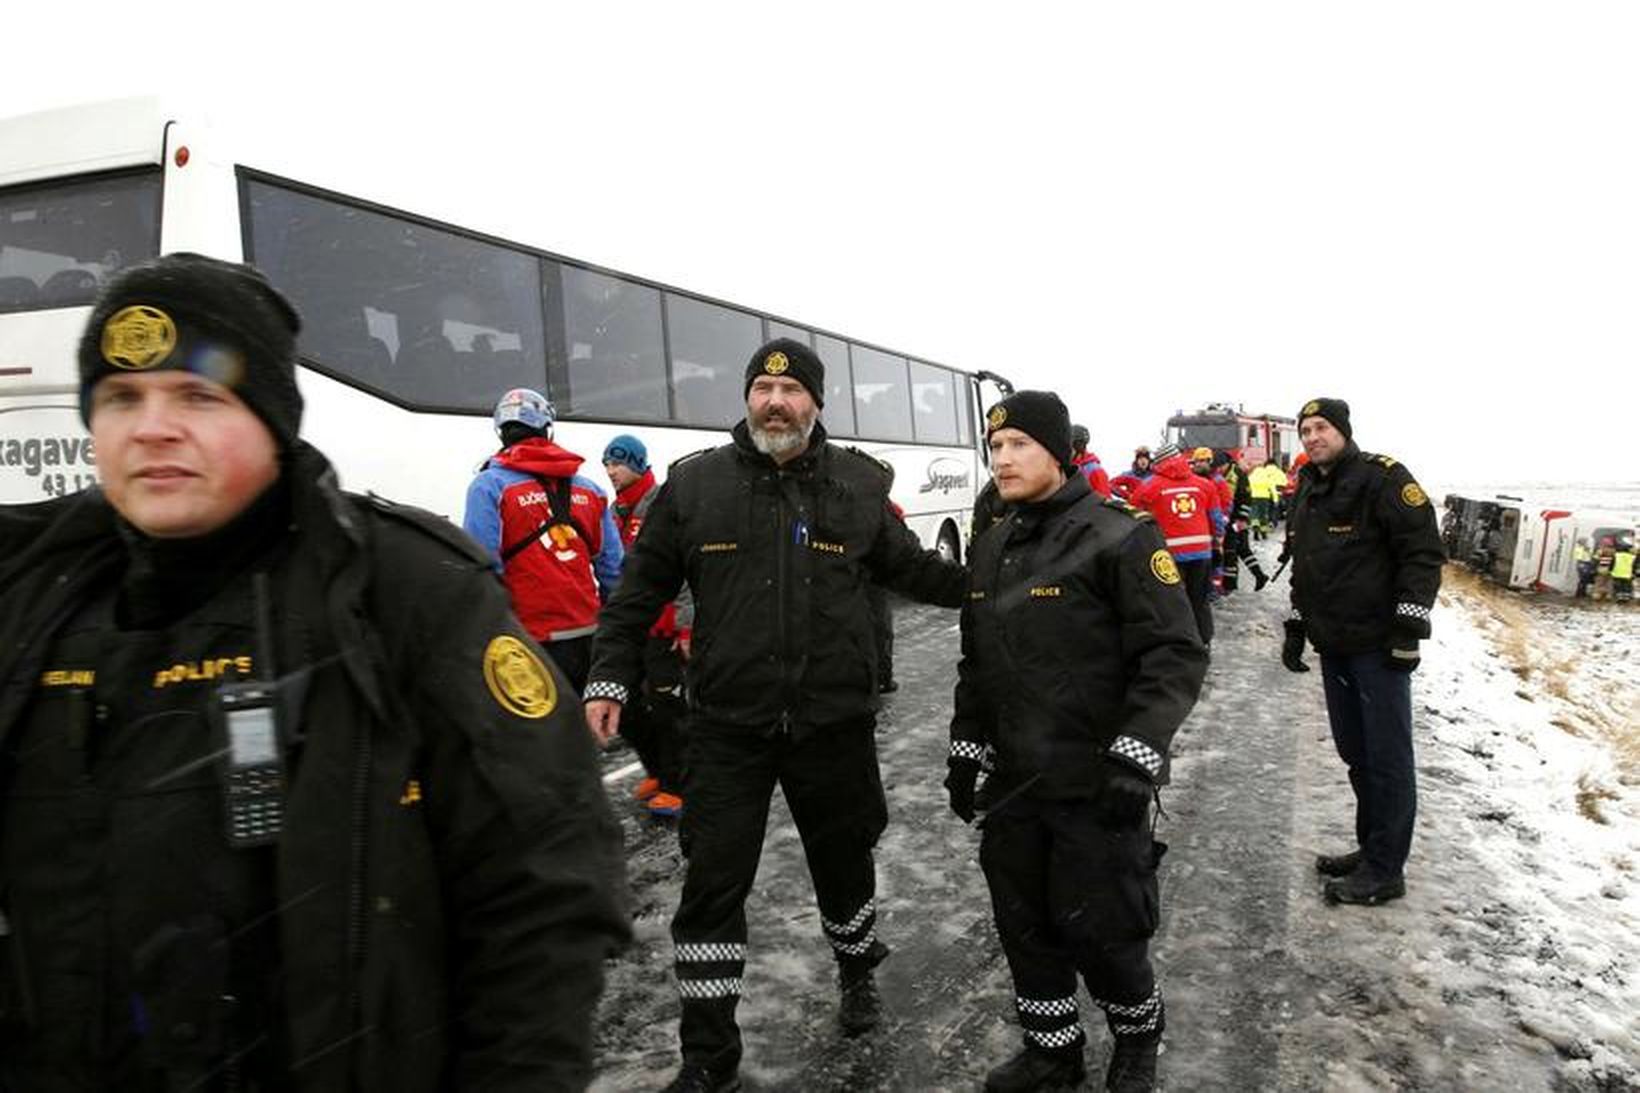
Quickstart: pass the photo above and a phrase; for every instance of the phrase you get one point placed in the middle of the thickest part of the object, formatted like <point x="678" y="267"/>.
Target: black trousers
<point x="574" y="658"/>
<point x="653" y="725"/>
<point x="1369" y="706"/>
<point x="882" y="629"/>
<point x="1073" y="897"/>
<point x="1198" y="578"/>
<point x="835" y="793"/>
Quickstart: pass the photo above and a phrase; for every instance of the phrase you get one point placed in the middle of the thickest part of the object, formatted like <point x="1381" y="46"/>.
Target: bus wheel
<point x="948" y="544"/>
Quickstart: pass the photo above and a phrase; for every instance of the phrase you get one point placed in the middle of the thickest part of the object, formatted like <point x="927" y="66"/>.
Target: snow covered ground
<point x="1513" y="962"/>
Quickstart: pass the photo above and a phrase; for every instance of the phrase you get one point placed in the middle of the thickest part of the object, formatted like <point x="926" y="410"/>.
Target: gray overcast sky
<point x="1432" y="210"/>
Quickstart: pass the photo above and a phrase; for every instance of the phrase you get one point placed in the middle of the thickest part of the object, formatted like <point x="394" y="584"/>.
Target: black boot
<point x="1337" y="865"/>
<point x="1362" y="888"/>
<point x="1133" y="1064"/>
<point x="1038" y="1068"/>
<point x="861" y="1008"/>
<point x="1259" y="577"/>
<point x="698" y="1079"/>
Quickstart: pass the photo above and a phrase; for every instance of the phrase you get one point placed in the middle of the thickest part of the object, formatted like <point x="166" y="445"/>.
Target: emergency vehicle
<point x="1525" y="544"/>
<point x="1249" y="438"/>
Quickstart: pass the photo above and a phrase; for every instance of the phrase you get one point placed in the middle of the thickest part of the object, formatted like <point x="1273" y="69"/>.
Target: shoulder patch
<point x="434" y="527"/>
<point x="518" y="681"/>
<point x="682" y="459"/>
<point x="1413" y="495"/>
<point x="1163" y="567"/>
<point x="1122" y="506"/>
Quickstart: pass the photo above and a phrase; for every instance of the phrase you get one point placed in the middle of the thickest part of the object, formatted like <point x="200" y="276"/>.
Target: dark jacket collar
<point x="1032" y="514"/>
<point x="742" y="435"/>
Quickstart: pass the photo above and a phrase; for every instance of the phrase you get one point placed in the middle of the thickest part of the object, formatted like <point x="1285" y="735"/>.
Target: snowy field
<point x="1511" y="964"/>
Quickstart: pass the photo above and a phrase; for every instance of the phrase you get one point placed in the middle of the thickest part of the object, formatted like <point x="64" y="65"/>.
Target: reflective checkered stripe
<point x="604" y="688"/>
<point x="970" y="749"/>
<point x="1135" y="1019"/>
<point x="1412" y="611"/>
<point x="1295" y="615"/>
<point x="1049" y="1022"/>
<point x="1138" y="753"/>
<point x="709" y="969"/>
<point x="854" y="937"/>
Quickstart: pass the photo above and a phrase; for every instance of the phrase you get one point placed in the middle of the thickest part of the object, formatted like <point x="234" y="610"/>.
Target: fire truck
<point x="1249" y="438"/>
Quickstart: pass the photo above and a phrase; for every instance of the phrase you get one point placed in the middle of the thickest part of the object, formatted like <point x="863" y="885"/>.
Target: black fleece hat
<point x="1041" y="416"/>
<point x="787" y="357"/>
<point x="189" y="313"/>
<point x="1335" y="410"/>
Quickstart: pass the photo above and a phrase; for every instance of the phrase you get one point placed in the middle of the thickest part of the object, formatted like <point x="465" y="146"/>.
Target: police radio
<point x="253" y="769"/>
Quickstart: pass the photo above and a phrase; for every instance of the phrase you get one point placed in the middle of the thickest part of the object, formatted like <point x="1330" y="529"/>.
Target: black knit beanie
<point x="787" y="357"/>
<point x="1335" y="410"/>
<point x="1041" y="416"/>
<point x="189" y="313"/>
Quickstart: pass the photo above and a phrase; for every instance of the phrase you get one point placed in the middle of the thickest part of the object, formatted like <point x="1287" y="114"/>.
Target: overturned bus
<point x="1527" y="545"/>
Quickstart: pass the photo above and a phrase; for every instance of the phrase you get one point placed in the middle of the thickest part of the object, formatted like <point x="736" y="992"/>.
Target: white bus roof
<point x="89" y="137"/>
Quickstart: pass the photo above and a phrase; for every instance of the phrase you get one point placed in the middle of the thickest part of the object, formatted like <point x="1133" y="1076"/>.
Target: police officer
<point x="777" y="534"/>
<point x="266" y="820"/>
<point x="1367" y="559"/>
<point x="1080" y="658"/>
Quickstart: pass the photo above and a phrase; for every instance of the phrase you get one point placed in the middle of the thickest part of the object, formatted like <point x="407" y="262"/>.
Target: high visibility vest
<point x="1623" y="565"/>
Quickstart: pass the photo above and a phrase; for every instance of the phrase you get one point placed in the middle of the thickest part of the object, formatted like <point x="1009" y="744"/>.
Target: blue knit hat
<point x="627" y="449"/>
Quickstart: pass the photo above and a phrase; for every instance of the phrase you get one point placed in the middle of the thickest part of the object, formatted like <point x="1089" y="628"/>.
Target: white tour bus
<point x="413" y="328"/>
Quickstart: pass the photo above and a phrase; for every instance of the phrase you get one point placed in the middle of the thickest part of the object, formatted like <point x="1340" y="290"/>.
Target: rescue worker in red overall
<point x="1135" y="476"/>
<point x="1087" y="462"/>
<point x="1080" y="659"/>
<point x="549" y="530"/>
<point x="654" y="724"/>
<point x="1186" y="507"/>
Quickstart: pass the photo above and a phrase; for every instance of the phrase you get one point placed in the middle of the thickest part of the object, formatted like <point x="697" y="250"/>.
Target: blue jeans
<point x="1370" y="707"/>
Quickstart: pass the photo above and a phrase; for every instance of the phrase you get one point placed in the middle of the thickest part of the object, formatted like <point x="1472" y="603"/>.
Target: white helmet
<point x="529" y="408"/>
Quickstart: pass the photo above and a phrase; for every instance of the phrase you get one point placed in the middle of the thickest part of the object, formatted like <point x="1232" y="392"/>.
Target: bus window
<point x="882" y="397"/>
<point x="430" y="318"/>
<point x="933" y="404"/>
<point x="965" y="409"/>
<point x="838" y="414"/>
<point x="778" y="329"/>
<point x="616" y="360"/>
<point x="710" y="347"/>
<point x="59" y="242"/>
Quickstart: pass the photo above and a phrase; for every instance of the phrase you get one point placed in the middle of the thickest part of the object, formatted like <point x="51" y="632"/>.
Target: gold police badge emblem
<point x="516" y="677"/>
<point x="1309" y="408"/>
<point x="775" y="364"/>
<point x="138" y="337"/>
<point x="997" y="416"/>
<point x="1164" y="567"/>
<point x="1413" y="495"/>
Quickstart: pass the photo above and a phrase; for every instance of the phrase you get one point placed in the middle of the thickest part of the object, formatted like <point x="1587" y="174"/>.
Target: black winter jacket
<point x="1079" y="647"/>
<point x="449" y="875"/>
<point x="777" y="559"/>
<point x="1366" y="553"/>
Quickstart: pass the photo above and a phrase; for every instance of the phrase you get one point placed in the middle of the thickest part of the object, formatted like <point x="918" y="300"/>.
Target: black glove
<point x="1292" y="649"/>
<point x="1125" y="799"/>
<point x="1402" y="655"/>
<point x="1404" y="634"/>
<point x="959" y="787"/>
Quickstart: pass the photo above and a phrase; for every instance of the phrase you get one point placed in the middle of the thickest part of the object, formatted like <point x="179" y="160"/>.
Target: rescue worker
<point x="1087" y="462"/>
<point x="1080" y="659"/>
<point x="1131" y="479"/>
<point x="1186" y="508"/>
<point x="1623" y="571"/>
<point x="548" y="529"/>
<point x="1367" y="559"/>
<point x="777" y="533"/>
<point x="654" y="723"/>
<point x="1265" y="482"/>
<point x="288" y="798"/>
<point x="1605" y="557"/>
<point x="1584" y="559"/>
<point x="1201" y="465"/>
<point x="1237" y="509"/>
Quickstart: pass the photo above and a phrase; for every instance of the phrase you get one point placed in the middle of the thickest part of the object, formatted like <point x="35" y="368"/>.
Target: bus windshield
<point x="59" y="241"/>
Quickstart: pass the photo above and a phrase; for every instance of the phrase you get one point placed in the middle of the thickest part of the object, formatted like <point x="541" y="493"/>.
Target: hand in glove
<point x="1260" y="578"/>
<point x="1404" y="634"/>
<point x="1125" y="799"/>
<point x="1292" y="649"/>
<point x="959" y="787"/>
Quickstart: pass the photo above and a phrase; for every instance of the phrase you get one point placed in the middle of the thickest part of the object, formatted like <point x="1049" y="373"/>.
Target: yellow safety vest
<point x="1623" y="565"/>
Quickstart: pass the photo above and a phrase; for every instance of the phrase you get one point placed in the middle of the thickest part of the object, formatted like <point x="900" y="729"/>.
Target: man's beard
<point x="775" y="443"/>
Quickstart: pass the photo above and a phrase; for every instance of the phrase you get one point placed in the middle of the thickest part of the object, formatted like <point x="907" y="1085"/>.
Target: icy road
<point x="1511" y="964"/>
